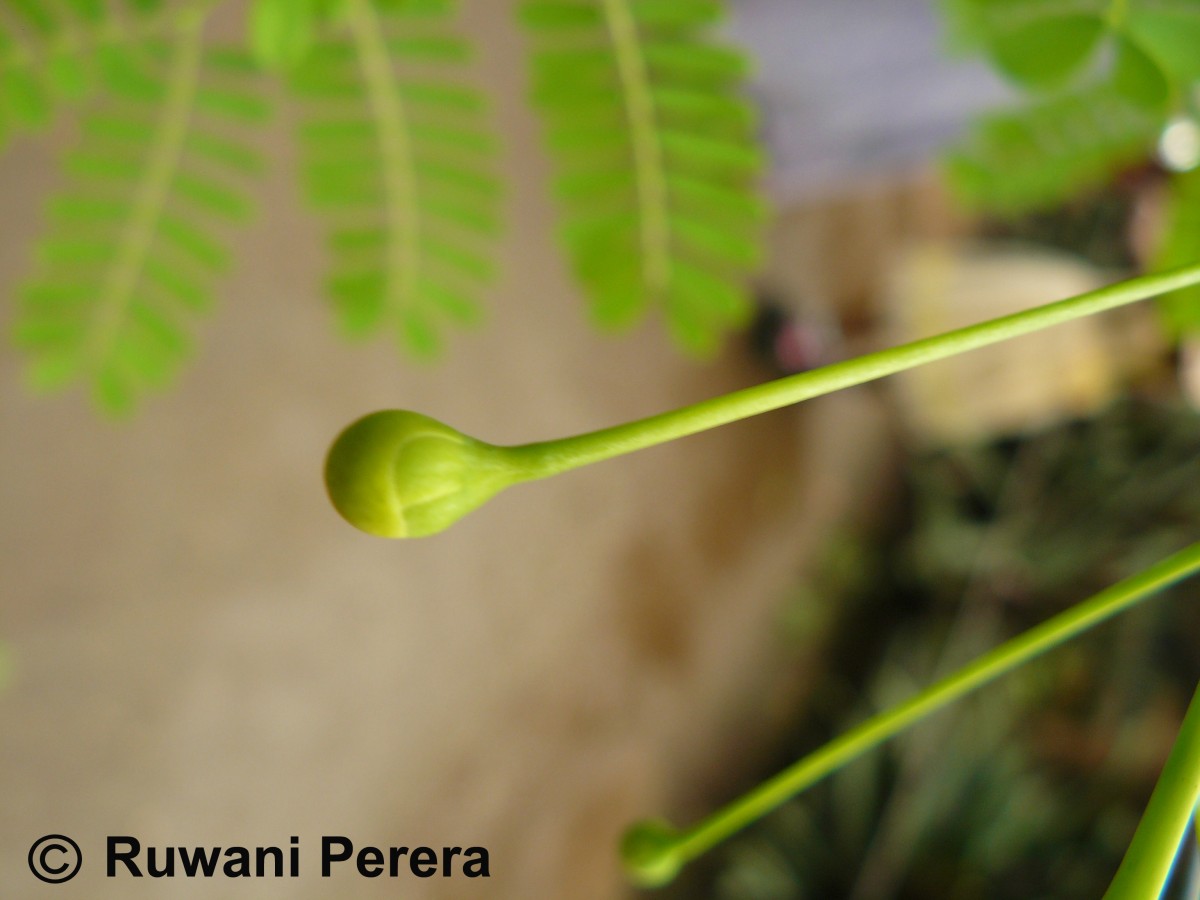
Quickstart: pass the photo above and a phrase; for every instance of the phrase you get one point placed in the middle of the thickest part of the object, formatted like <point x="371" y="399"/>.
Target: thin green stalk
<point x="644" y="141"/>
<point x="653" y="852"/>
<point x="1147" y="865"/>
<point x="552" y="457"/>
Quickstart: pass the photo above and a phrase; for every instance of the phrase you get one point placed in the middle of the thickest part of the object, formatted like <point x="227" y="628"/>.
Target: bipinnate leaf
<point x="138" y="237"/>
<point x="399" y="162"/>
<point x="656" y="159"/>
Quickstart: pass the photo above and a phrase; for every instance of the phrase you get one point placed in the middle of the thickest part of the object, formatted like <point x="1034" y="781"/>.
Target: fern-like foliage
<point x="1104" y="77"/>
<point x="656" y="158"/>
<point x="47" y="51"/>
<point x="1049" y="150"/>
<point x="398" y="161"/>
<point x="134" y="240"/>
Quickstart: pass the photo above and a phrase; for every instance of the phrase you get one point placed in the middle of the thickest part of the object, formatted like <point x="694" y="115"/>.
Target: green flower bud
<point x="401" y="474"/>
<point x="650" y="853"/>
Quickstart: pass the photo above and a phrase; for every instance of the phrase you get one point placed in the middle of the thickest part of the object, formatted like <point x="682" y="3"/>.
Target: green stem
<point x="644" y="142"/>
<point x="540" y="460"/>
<point x="657" y="858"/>
<point x="387" y="106"/>
<point x="1147" y="864"/>
<point x="165" y="150"/>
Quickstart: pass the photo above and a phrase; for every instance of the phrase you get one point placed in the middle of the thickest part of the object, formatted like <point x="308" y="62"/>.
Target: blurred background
<point x="195" y="650"/>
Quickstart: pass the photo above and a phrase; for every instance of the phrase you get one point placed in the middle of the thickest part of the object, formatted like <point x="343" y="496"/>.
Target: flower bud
<point x="650" y="853"/>
<point x="401" y="474"/>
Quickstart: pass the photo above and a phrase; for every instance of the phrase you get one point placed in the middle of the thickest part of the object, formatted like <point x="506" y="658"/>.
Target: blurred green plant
<point x="1109" y="83"/>
<point x="130" y="256"/>
<point x="1032" y="788"/>
<point x="655" y="852"/>
<point x="399" y="160"/>
<point x="657" y="159"/>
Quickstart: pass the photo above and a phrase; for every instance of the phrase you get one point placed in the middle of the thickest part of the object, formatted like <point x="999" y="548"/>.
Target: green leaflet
<point x="700" y="66"/>
<point x="1171" y="33"/>
<point x="281" y="32"/>
<point x="560" y="15"/>
<point x="399" y="162"/>
<point x="1138" y="78"/>
<point x="24" y="100"/>
<point x="1045" y="52"/>
<point x="670" y="15"/>
<point x="225" y="153"/>
<point x="67" y="76"/>
<point x="1036" y="42"/>
<point x="1181" y="244"/>
<point x="35" y="16"/>
<point x="961" y="25"/>
<point x="656" y="159"/>
<point x="90" y="11"/>
<point x="245" y="107"/>
<point x="137" y="238"/>
<point x="440" y="48"/>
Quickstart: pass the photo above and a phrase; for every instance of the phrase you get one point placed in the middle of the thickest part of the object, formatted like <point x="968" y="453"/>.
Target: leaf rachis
<point x="401" y="206"/>
<point x="646" y="146"/>
<point x="150" y="199"/>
